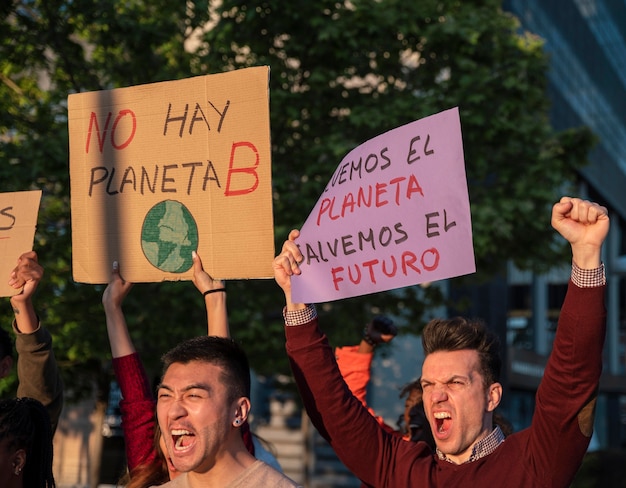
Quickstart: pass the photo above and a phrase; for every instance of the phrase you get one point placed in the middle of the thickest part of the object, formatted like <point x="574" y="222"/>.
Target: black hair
<point x="25" y="423"/>
<point x="220" y="351"/>
<point x="459" y="333"/>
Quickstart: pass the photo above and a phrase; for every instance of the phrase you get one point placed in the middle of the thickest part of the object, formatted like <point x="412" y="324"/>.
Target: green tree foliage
<point x="341" y="73"/>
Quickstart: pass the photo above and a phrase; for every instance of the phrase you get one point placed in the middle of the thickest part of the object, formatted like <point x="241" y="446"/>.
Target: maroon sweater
<point x="547" y="454"/>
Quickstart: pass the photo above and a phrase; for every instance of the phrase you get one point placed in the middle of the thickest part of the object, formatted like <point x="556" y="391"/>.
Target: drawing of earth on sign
<point x="168" y="236"/>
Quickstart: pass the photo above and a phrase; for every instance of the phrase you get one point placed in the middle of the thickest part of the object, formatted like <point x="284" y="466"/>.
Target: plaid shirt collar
<point x="482" y="448"/>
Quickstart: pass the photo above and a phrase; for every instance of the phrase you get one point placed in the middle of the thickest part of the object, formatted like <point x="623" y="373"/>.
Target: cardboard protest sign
<point x="395" y="213"/>
<point x="160" y="170"/>
<point x="18" y="221"/>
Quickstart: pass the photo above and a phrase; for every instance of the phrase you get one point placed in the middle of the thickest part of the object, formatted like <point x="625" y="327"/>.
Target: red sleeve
<point x="138" y="410"/>
<point x="570" y="382"/>
<point x="342" y="419"/>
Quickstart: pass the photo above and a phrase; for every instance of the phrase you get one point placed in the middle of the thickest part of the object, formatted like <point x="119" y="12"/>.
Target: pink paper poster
<point x="395" y="213"/>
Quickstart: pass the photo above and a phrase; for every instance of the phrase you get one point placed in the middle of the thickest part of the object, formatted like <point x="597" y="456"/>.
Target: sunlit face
<point x="195" y="415"/>
<point x="458" y="405"/>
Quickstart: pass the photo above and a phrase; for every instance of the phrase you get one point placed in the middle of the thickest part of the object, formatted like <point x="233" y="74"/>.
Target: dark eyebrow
<point x="193" y="386"/>
<point x="451" y="378"/>
<point x="198" y="386"/>
<point x="460" y="377"/>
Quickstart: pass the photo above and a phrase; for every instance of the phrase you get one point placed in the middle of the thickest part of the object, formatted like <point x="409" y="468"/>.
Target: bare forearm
<point x="217" y="314"/>
<point x="586" y="257"/>
<point x="291" y="306"/>
<point x="365" y="347"/>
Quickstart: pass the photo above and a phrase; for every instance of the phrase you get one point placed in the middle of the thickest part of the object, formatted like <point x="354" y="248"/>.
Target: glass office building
<point x="586" y="42"/>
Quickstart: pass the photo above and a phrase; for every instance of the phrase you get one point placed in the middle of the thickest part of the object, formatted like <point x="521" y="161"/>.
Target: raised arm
<point x="335" y="412"/>
<point x="137" y="404"/>
<point x="117" y="329"/>
<point x="584" y="225"/>
<point x="355" y="362"/>
<point x="26" y="275"/>
<point x="37" y="369"/>
<point x="285" y="265"/>
<point x="214" y="292"/>
<point x="562" y="424"/>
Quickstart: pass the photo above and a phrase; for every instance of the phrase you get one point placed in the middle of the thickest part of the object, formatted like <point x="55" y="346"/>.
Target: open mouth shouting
<point x="183" y="439"/>
<point x="442" y="422"/>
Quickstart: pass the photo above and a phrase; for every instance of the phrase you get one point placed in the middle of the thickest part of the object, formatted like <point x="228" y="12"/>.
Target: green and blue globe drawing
<point x="168" y="236"/>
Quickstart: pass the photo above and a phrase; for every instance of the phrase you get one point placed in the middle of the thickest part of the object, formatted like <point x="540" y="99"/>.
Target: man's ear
<point x="494" y="396"/>
<point x="242" y="409"/>
<point x="6" y="363"/>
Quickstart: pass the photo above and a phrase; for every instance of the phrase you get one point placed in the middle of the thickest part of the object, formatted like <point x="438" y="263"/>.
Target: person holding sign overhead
<point x="460" y="382"/>
<point x="37" y="370"/>
<point x="148" y="463"/>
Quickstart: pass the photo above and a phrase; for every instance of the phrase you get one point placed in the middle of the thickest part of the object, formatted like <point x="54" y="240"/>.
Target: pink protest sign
<point x="396" y="213"/>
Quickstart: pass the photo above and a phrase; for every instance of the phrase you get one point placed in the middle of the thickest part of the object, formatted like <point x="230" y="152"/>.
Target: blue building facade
<point x="586" y="42"/>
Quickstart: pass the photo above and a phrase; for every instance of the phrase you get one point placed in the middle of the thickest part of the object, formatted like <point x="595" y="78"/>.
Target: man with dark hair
<point x="458" y="333"/>
<point x="460" y="385"/>
<point x="202" y="402"/>
<point x="37" y="370"/>
<point x="220" y="351"/>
